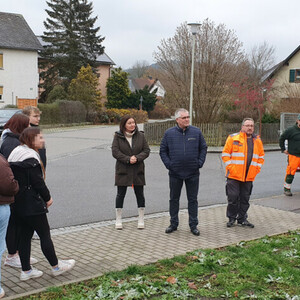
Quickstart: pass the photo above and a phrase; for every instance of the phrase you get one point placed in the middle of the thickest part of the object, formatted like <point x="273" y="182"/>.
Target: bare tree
<point x="219" y="61"/>
<point x="261" y="59"/>
<point x="139" y="69"/>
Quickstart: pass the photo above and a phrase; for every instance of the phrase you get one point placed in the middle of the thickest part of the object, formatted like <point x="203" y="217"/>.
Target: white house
<point x="136" y="84"/>
<point x="19" y="47"/>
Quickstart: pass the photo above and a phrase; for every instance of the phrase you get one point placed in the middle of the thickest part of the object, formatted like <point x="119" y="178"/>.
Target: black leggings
<point x="39" y="224"/>
<point x="139" y="193"/>
<point x="12" y="233"/>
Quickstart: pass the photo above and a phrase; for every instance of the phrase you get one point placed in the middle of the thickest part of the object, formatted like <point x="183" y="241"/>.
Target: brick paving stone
<point x="99" y="249"/>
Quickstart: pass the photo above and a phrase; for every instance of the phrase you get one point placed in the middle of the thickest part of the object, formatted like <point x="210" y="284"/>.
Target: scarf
<point x="128" y="136"/>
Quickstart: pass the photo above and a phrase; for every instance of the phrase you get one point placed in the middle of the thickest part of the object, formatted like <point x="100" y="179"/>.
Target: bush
<point x="50" y="113"/>
<point x="10" y="106"/>
<point x="62" y="112"/>
<point x="115" y="114"/>
<point x="57" y="93"/>
<point x="160" y="111"/>
<point x="269" y="118"/>
<point x="72" y="111"/>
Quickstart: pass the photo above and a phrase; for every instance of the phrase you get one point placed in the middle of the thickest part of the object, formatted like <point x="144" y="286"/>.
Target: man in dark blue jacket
<point x="183" y="151"/>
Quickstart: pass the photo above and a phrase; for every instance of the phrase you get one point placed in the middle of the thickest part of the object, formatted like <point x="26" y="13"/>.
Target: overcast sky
<point x="134" y="28"/>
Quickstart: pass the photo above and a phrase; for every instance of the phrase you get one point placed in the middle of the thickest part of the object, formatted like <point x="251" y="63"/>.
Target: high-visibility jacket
<point x="235" y="153"/>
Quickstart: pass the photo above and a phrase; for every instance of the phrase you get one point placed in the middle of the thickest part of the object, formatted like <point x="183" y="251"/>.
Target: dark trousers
<point x="139" y="193"/>
<point x="39" y="224"/>
<point x="12" y="233"/>
<point x="238" y="195"/>
<point x="192" y="188"/>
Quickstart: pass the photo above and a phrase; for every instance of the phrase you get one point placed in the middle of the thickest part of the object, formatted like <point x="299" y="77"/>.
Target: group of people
<point x="183" y="151"/>
<point x="24" y="196"/>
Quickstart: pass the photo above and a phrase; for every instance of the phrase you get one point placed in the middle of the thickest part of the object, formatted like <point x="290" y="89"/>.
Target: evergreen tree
<point x="57" y="93"/>
<point x="148" y="101"/>
<point x="84" y="88"/>
<point x="71" y="41"/>
<point x="117" y="89"/>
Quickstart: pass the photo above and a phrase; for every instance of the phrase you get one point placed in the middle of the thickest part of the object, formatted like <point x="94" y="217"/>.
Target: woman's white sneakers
<point x="2" y="293"/>
<point x="15" y="262"/>
<point x="63" y="266"/>
<point x="33" y="273"/>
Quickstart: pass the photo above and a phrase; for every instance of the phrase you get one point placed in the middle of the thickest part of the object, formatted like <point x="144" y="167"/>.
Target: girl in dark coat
<point x="32" y="203"/>
<point x="130" y="148"/>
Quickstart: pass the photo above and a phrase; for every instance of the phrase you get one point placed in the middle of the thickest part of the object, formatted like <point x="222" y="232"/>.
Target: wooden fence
<point x="21" y="103"/>
<point x="215" y="134"/>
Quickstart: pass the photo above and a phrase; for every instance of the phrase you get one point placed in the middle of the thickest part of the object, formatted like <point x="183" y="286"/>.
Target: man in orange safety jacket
<point x="243" y="155"/>
<point x="292" y="135"/>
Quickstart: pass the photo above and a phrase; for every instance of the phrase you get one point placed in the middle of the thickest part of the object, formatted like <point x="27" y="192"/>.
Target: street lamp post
<point x="194" y="29"/>
<point x="141" y="100"/>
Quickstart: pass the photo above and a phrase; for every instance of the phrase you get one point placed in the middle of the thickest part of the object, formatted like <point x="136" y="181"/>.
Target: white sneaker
<point x="33" y="273"/>
<point x="2" y="293"/>
<point x="15" y="261"/>
<point x="33" y="260"/>
<point x="63" y="266"/>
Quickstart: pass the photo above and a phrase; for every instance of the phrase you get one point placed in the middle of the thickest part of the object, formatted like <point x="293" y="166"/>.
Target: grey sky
<point x="134" y="28"/>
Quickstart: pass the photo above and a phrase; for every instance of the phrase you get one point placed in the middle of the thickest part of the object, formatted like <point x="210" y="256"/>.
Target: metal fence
<point x="215" y="134"/>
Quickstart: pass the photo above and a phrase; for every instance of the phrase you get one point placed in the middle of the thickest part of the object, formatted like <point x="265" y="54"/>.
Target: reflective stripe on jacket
<point x="234" y="156"/>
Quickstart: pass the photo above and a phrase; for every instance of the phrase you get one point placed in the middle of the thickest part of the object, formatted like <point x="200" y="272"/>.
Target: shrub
<point x="269" y="118"/>
<point x="115" y="114"/>
<point x="57" y="93"/>
<point x="160" y="111"/>
<point x="72" y="111"/>
<point x="62" y="112"/>
<point x="50" y="113"/>
<point x="10" y="106"/>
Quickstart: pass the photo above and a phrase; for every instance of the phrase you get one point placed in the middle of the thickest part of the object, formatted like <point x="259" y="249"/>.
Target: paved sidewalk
<point x="99" y="248"/>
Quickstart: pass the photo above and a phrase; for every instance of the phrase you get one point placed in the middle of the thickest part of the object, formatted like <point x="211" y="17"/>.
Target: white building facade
<point x="19" y="77"/>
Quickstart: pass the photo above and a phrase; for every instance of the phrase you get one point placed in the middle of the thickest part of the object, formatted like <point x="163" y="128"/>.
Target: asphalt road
<point x="80" y="176"/>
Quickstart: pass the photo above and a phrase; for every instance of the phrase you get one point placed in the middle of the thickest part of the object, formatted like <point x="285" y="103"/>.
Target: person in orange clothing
<point x="292" y="135"/>
<point x="243" y="155"/>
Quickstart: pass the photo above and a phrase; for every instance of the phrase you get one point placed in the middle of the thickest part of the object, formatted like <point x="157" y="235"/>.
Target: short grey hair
<point x="247" y="119"/>
<point x="179" y="111"/>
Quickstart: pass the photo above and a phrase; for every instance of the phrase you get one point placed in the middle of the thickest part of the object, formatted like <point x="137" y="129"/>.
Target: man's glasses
<point x="248" y="125"/>
<point x="184" y="118"/>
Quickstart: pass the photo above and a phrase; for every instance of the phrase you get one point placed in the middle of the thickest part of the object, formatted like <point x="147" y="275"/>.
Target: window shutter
<point x="1" y="90"/>
<point x="1" y="60"/>
<point x="292" y="75"/>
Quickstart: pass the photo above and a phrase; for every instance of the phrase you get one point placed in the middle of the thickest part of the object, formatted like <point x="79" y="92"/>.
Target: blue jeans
<point x="4" y="216"/>
<point x="192" y="188"/>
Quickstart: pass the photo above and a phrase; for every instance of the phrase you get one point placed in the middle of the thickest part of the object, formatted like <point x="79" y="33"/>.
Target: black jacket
<point x="33" y="193"/>
<point x="10" y="142"/>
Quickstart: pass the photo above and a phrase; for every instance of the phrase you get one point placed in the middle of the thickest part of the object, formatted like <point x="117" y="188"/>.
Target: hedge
<point x="62" y="112"/>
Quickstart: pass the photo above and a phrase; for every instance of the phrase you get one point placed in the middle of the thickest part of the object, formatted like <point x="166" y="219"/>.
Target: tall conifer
<point x="71" y="41"/>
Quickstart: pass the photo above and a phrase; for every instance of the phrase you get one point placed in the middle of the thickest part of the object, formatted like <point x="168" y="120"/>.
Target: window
<point x="1" y="92"/>
<point x="1" y="60"/>
<point x="295" y="75"/>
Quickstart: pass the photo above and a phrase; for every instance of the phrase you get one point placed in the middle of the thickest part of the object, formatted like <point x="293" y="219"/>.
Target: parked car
<point x="5" y="115"/>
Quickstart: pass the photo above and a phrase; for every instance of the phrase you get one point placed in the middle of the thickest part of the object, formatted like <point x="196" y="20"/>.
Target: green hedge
<point x="62" y="112"/>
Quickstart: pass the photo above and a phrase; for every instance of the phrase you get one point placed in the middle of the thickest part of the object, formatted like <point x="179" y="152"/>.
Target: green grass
<point x="268" y="268"/>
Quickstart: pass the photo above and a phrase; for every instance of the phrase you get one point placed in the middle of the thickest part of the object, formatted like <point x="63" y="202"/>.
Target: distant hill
<point x="132" y="71"/>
